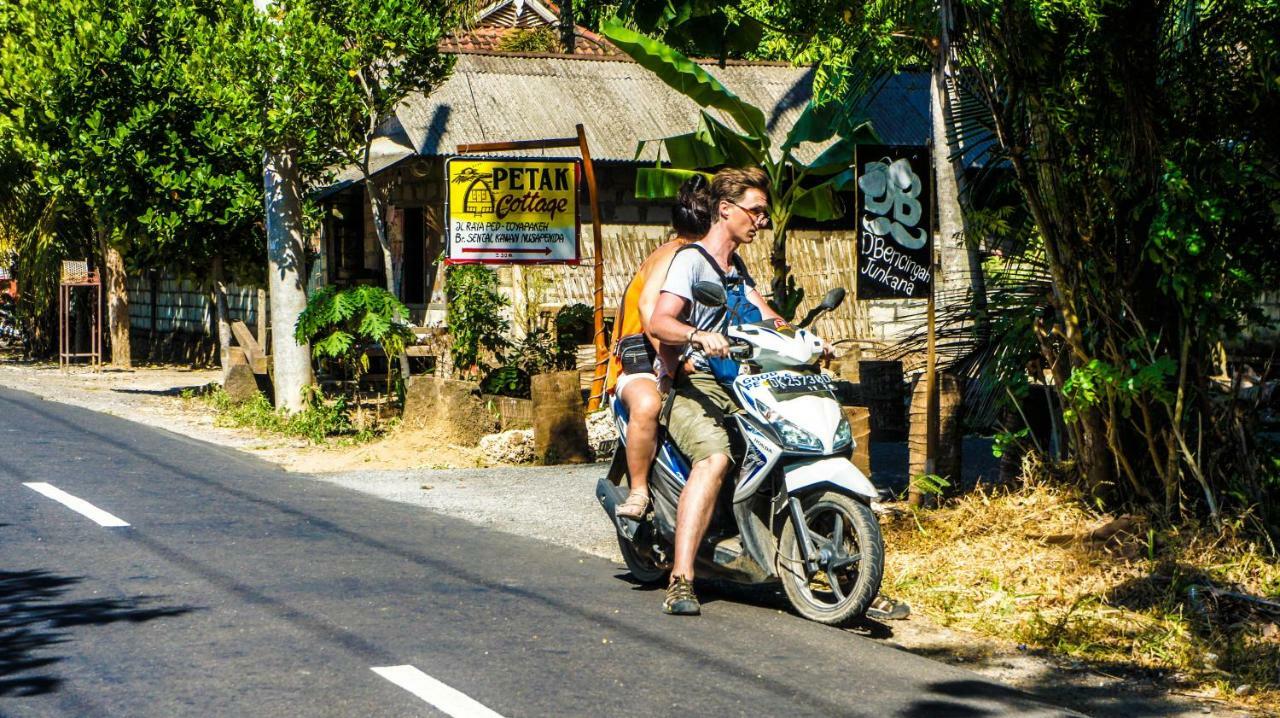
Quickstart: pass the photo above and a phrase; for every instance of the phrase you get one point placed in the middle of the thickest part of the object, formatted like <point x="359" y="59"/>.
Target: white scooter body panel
<point x="835" y="470"/>
<point x="818" y="414"/>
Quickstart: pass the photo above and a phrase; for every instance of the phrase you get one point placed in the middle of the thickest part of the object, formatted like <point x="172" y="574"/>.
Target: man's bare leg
<point x="693" y="514"/>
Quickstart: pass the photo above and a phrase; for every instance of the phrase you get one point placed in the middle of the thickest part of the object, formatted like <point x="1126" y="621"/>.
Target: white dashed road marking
<point x="449" y="700"/>
<point x="80" y="506"/>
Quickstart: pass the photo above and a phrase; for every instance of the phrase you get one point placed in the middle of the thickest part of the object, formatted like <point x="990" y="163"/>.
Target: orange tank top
<point x="628" y="320"/>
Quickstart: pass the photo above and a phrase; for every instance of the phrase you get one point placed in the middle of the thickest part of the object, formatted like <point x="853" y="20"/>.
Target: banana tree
<point x="737" y="136"/>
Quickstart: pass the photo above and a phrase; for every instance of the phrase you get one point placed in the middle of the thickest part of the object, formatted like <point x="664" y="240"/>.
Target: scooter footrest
<point x="610" y="496"/>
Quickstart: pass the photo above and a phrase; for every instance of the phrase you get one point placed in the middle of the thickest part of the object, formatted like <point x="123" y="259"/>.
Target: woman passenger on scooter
<point x="636" y="366"/>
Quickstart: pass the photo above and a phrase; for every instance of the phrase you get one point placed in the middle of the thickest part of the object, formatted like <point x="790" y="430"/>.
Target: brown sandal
<point x="634" y="507"/>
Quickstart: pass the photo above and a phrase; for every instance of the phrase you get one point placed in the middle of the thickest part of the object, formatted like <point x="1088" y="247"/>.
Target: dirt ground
<point x="412" y="467"/>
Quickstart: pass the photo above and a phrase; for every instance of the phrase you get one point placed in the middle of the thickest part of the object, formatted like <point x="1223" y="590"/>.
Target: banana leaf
<point x="819" y="202"/>
<point x="839" y="156"/>
<point x="684" y="75"/>
<point x="692" y="151"/>
<point x="737" y="149"/>
<point x="815" y="124"/>
<point x="662" y="182"/>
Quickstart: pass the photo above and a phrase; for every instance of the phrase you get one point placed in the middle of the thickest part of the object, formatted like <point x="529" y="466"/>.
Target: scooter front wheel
<point x="849" y="555"/>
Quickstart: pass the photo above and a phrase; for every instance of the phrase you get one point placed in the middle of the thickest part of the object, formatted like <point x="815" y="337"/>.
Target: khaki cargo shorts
<point x="698" y="415"/>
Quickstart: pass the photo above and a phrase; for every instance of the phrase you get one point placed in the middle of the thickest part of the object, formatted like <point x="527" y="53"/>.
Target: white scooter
<point x="795" y="509"/>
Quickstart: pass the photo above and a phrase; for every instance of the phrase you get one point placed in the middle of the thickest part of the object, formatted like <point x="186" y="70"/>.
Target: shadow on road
<point x="1082" y="689"/>
<point x="34" y="618"/>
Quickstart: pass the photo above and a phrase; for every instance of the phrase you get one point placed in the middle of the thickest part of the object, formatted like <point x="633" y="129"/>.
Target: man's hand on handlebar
<point x="713" y="344"/>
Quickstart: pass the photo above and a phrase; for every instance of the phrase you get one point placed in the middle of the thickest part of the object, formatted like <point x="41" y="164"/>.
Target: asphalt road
<point x="240" y="590"/>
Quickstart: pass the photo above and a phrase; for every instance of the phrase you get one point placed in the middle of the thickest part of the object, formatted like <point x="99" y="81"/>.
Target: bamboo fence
<point x="819" y="262"/>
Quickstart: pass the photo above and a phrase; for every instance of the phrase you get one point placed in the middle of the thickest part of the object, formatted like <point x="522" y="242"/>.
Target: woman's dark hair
<point x="691" y="215"/>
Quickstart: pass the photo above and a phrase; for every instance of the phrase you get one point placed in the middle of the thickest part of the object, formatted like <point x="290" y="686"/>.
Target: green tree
<point x="309" y="82"/>
<point x="95" y="102"/>
<point x="1141" y="140"/>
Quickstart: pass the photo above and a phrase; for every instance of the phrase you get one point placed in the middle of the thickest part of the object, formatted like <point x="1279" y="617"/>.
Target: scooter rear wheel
<point x="642" y="568"/>
<point x="847" y="531"/>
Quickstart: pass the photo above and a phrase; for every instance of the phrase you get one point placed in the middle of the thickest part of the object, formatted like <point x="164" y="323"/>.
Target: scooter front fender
<point x="836" y="471"/>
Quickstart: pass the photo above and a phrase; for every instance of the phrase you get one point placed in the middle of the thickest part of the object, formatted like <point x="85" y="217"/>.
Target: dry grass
<point x="1030" y="565"/>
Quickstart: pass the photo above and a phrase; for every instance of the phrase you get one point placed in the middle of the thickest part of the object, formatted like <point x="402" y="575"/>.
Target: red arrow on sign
<point x="513" y="250"/>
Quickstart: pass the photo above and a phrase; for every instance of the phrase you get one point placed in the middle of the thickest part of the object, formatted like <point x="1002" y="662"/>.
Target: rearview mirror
<point x="833" y="299"/>
<point x="710" y="294"/>
<point x="828" y="303"/>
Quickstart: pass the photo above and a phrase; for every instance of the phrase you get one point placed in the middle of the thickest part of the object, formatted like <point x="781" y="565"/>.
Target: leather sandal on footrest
<point x="635" y="506"/>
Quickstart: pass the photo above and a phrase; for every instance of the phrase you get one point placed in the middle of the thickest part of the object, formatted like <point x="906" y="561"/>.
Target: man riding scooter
<point x="740" y="208"/>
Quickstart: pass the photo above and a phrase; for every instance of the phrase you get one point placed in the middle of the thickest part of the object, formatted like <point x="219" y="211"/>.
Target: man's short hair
<point x="730" y="183"/>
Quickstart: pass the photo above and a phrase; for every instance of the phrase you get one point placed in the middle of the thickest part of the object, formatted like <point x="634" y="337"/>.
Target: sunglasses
<point x="759" y="217"/>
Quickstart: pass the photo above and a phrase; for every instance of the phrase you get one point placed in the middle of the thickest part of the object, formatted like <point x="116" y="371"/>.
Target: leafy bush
<point x="533" y="40"/>
<point x="474" y="316"/>
<point x="538" y="353"/>
<point x="507" y="380"/>
<point x="341" y="324"/>
<point x="574" y="324"/>
<point x="318" y="421"/>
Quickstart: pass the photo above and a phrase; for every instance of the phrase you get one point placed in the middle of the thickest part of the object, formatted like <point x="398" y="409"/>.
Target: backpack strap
<point x="737" y="261"/>
<point x="705" y="255"/>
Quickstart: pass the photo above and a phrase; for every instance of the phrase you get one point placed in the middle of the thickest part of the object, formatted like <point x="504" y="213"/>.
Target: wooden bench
<point x="248" y="351"/>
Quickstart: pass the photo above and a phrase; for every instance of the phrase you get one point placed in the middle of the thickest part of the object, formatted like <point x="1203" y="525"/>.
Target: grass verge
<point x="322" y="421"/>
<point x="1035" y="566"/>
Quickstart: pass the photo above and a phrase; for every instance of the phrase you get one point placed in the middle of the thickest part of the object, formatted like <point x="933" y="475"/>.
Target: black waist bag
<point x="636" y="354"/>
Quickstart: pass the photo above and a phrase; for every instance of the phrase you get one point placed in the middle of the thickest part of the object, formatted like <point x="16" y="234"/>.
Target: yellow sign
<point x="512" y="211"/>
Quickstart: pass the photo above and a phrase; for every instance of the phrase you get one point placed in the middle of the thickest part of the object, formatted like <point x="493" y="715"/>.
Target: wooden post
<point x="602" y="351"/>
<point x="261" y="316"/>
<point x="914" y="496"/>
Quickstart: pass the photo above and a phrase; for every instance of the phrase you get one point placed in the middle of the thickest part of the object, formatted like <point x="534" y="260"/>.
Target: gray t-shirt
<point x="688" y="268"/>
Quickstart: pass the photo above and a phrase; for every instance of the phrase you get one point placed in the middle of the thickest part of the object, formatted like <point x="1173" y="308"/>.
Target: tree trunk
<point x="948" y="172"/>
<point x="378" y="205"/>
<point x="113" y="277"/>
<point x="286" y="258"/>
<point x="783" y="299"/>
<point x="219" y="289"/>
<point x="567" y="29"/>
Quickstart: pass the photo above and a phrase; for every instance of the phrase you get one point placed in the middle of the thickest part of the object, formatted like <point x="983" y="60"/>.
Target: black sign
<point x="894" y="221"/>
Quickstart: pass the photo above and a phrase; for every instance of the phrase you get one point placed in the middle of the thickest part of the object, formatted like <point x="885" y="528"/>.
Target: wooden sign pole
<point x="915" y="497"/>
<point x="931" y="355"/>
<point x="593" y="195"/>
<point x="602" y="351"/>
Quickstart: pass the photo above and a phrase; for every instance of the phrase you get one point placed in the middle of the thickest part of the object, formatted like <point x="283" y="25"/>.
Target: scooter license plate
<point x="786" y="384"/>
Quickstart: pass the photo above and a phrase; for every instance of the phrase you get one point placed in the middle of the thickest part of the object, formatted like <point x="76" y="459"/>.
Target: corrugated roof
<point x="390" y="147"/>
<point x="491" y="98"/>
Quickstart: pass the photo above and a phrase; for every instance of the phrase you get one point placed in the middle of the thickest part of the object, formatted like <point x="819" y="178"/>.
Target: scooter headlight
<point x="793" y="437"/>
<point x="844" y="435"/>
